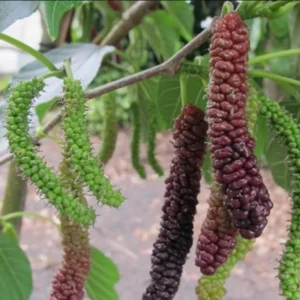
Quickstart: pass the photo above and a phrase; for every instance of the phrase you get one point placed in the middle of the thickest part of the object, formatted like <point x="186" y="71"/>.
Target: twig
<point x="169" y="68"/>
<point x="130" y="19"/>
<point x="64" y="28"/>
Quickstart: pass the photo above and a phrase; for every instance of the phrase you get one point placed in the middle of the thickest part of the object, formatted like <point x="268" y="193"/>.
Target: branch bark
<point x="168" y="68"/>
<point x="130" y="19"/>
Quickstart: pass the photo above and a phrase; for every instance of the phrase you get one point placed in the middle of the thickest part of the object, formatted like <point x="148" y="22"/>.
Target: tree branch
<point x="130" y="19"/>
<point x="168" y="68"/>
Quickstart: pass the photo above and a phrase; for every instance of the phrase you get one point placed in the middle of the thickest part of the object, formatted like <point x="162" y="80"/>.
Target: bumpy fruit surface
<point x="68" y="283"/>
<point x="217" y="238"/>
<point x="33" y="166"/>
<point x="78" y="147"/>
<point x="234" y="163"/>
<point x="110" y="130"/>
<point x="213" y="287"/>
<point x="288" y="131"/>
<point x="182" y="187"/>
<point x="136" y="140"/>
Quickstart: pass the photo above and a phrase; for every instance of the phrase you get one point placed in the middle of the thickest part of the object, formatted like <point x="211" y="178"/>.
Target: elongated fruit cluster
<point x="235" y="166"/>
<point x="33" y="166"/>
<point x="110" y="130"/>
<point x="218" y="237"/>
<point x="68" y="283"/>
<point x="182" y="187"/>
<point x="213" y="287"/>
<point x="135" y="141"/>
<point x="151" y="147"/>
<point x="79" y="148"/>
<point x="289" y="270"/>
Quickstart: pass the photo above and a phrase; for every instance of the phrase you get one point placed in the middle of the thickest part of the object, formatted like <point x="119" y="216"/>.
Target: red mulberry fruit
<point x="217" y="238"/>
<point x="182" y="187"/>
<point x="235" y="167"/>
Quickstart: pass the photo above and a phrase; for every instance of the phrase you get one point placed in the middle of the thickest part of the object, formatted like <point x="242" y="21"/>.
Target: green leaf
<point x="280" y="27"/>
<point x="86" y="60"/>
<point x="183" y="14"/>
<point x="276" y="158"/>
<point x="168" y="99"/>
<point x="15" y="271"/>
<point x="9" y="230"/>
<point x="11" y="11"/>
<point x="294" y="27"/>
<point x="43" y="108"/>
<point x="102" y="278"/>
<point x="54" y="11"/>
<point x="159" y="29"/>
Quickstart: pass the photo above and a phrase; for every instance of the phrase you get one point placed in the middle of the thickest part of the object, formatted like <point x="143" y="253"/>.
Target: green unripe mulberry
<point x="135" y="141"/>
<point x="110" y="130"/>
<point x="33" y="166"/>
<point x="79" y="149"/>
<point x="287" y="129"/>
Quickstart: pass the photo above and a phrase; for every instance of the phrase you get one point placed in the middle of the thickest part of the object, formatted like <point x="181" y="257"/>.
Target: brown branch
<point x="130" y="19"/>
<point x="169" y="68"/>
<point x="64" y="27"/>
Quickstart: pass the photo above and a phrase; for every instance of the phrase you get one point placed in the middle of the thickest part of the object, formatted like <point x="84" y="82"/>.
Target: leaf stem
<point x="38" y="55"/>
<point x="67" y="64"/>
<point x="20" y="214"/>
<point x="59" y="74"/>
<point x="183" y="89"/>
<point x="261" y="59"/>
<point x="275" y="77"/>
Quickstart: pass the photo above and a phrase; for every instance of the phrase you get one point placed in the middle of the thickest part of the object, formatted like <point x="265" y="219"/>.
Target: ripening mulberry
<point x="217" y="238"/>
<point x="68" y="283"/>
<point x="235" y="166"/>
<point x="182" y="187"/>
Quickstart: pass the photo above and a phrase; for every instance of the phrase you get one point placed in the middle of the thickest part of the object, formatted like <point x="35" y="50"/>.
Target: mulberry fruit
<point x="110" y="130"/>
<point x="151" y="147"/>
<point x="78" y="147"/>
<point x="33" y="166"/>
<point x="212" y="287"/>
<point x="182" y="187"/>
<point x="235" y="166"/>
<point x="135" y="141"/>
<point x="218" y="237"/>
<point x="68" y="283"/>
<point x="288" y="132"/>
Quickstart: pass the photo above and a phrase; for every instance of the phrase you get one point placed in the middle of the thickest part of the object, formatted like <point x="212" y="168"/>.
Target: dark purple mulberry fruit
<point x="235" y="167"/>
<point x="217" y="238"/>
<point x="182" y="187"/>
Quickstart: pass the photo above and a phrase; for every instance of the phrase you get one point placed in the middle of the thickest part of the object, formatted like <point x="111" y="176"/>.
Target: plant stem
<point x="68" y="69"/>
<point x="58" y="74"/>
<point x="183" y="89"/>
<point x="275" y="77"/>
<point x="264" y="58"/>
<point x="14" y="196"/>
<point x="20" y="214"/>
<point x="38" y="55"/>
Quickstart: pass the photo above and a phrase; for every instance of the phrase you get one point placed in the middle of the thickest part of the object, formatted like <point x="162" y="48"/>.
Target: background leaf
<point x="159" y="29"/>
<point x="102" y="278"/>
<point x="86" y="60"/>
<point x="182" y="12"/>
<point x="11" y="11"/>
<point x="54" y="10"/>
<point x="168" y="99"/>
<point x="276" y="158"/>
<point x="15" y="271"/>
